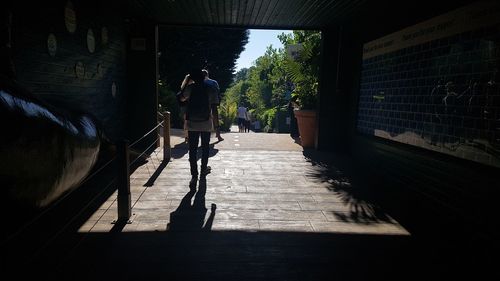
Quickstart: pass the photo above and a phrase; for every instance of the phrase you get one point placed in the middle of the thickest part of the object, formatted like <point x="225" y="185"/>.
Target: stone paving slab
<point x="265" y="183"/>
<point x="268" y="211"/>
<point x="280" y="215"/>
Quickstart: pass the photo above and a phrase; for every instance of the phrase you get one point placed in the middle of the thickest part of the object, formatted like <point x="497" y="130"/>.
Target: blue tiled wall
<point x="442" y="95"/>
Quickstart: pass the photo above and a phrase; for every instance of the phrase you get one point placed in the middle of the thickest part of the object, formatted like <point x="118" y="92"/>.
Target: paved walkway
<point x="268" y="211"/>
<point x="258" y="182"/>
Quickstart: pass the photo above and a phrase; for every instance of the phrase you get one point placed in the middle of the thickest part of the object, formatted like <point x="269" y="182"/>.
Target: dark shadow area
<point x="191" y="250"/>
<point x="420" y="193"/>
<point x="337" y="173"/>
<point x="296" y="139"/>
<point x="27" y="232"/>
<point x="213" y="150"/>
<point x="191" y="217"/>
<point x="156" y="174"/>
<point x="236" y="255"/>
<point x="139" y="158"/>
<point x="118" y="226"/>
<point x="431" y="195"/>
<point x="181" y="149"/>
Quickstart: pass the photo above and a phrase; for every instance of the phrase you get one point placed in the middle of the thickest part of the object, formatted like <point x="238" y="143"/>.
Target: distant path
<point x="244" y="141"/>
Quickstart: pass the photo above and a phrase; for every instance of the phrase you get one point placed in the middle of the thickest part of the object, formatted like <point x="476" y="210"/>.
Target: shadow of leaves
<point x="361" y="202"/>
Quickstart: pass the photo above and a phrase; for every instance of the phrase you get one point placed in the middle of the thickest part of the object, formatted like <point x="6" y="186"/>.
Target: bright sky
<point x="258" y="40"/>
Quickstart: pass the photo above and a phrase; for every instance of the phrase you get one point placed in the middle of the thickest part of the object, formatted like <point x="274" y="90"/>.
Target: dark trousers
<point x="193" y="137"/>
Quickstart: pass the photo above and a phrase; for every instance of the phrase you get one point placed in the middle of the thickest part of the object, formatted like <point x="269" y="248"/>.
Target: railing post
<point x="166" y="137"/>
<point x="158" y="141"/>
<point x="123" y="181"/>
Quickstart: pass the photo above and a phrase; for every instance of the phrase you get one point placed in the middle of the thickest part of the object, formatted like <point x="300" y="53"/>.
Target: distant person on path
<point x="247" y="122"/>
<point x="215" y="85"/>
<point x="201" y="99"/>
<point x="256" y="125"/>
<point x="242" y="116"/>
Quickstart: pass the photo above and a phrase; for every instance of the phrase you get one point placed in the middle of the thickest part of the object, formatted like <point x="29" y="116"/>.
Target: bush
<point x="268" y="119"/>
<point x="168" y="102"/>
<point x="303" y="70"/>
<point x="227" y="115"/>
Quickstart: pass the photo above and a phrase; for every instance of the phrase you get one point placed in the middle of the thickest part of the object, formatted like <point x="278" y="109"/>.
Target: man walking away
<point x="201" y="100"/>
<point x="215" y="86"/>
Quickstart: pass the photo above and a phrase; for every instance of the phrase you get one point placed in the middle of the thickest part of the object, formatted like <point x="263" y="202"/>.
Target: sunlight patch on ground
<point x="252" y="189"/>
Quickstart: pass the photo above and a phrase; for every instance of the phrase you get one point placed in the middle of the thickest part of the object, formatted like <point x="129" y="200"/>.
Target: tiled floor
<point x="265" y="183"/>
<point x="268" y="211"/>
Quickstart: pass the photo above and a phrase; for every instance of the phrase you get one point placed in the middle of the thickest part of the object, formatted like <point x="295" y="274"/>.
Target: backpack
<point x="198" y="107"/>
<point x="179" y="96"/>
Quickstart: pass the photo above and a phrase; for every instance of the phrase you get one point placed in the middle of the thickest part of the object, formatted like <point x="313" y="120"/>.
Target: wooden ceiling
<point x="278" y="14"/>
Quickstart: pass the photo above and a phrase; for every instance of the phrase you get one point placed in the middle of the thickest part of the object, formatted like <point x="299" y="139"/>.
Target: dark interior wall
<point x="439" y="190"/>
<point x="142" y="70"/>
<point x="327" y="122"/>
<point x="339" y="87"/>
<point x="72" y="77"/>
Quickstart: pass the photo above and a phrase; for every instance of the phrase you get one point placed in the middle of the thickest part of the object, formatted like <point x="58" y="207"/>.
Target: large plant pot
<point x="306" y="121"/>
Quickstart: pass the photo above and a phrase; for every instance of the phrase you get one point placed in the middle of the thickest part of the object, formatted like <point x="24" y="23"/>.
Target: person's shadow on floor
<point x="189" y="217"/>
<point x="181" y="149"/>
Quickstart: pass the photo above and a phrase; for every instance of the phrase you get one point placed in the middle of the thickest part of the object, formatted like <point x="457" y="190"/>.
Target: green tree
<point x="262" y="87"/>
<point x="215" y="49"/>
<point x="303" y="69"/>
<point x="280" y="81"/>
<point x="182" y="49"/>
<point x="234" y="95"/>
<point x="168" y="102"/>
<point x="242" y="74"/>
<point x="275" y="78"/>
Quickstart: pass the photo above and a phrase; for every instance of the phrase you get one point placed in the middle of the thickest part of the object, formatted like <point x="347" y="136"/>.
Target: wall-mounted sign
<point x="113" y="90"/>
<point x="472" y="17"/>
<point x="70" y="17"/>
<point x="80" y="70"/>
<point x="138" y="44"/>
<point x="90" y="41"/>
<point x="104" y="36"/>
<point x="52" y="44"/>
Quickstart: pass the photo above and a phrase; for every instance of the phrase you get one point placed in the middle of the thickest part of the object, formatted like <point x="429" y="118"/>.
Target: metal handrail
<point x="86" y="179"/>
<point x="58" y="201"/>
<point x="97" y="171"/>
<point x="143" y="152"/>
<point x="124" y="165"/>
<point x="146" y="134"/>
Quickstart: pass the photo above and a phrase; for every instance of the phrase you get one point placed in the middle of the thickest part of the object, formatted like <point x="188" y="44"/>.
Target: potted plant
<point x="305" y="113"/>
<point x="302" y="67"/>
